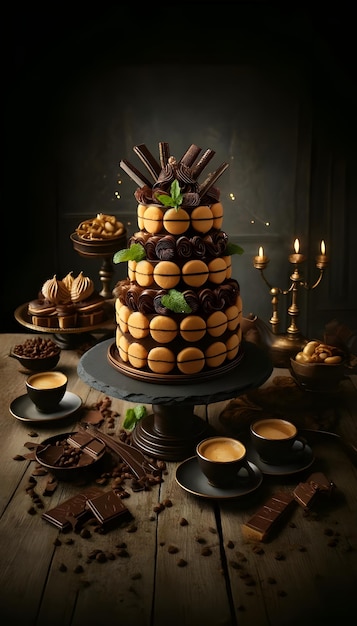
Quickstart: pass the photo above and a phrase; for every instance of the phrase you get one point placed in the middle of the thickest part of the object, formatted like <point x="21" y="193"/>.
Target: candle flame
<point x="323" y="248"/>
<point x="296" y="246"/>
<point x="261" y="251"/>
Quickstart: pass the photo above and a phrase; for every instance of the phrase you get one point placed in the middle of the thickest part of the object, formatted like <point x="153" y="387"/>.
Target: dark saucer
<point x="190" y="477"/>
<point x="300" y="460"/>
<point x="23" y="409"/>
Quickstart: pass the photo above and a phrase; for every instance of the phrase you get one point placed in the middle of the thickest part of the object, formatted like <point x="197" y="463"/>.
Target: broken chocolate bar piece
<point x="86" y="442"/>
<point x="306" y="493"/>
<point x="108" y="508"/>
<point x="261" y="525"/>
<point x="74" y="507"/>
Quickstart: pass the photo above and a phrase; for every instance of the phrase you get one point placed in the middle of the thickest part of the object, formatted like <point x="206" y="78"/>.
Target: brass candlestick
<point x="286" y="344"/>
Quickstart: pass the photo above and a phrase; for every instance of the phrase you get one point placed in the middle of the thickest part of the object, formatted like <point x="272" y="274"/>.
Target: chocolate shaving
<point x="164" y="152"/>
<point x="149" y="161"/>
<point x="201" y="164"/>
<point x="134" y="174"/>
<point x="211" y="179"/>
<point x="190" y="155"/>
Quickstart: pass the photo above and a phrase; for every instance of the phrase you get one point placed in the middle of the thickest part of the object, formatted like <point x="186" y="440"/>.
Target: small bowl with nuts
<point x="318" y="366"/>
<point x="37" y="354"/>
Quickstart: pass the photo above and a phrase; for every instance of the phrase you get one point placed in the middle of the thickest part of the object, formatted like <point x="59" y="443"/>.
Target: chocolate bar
<point x="201" y="164"/>
<point x="211" y="179"/>
<point x="261" y="525"/>
<point x="190" y="155"/>
<point x="108" y="508"/>
<point x="306" y="493"/>
<point x="164" y="152"/>
<point x="134" y="174"/>
<point x="86" y="442"/>
<point x="73" y="508"/>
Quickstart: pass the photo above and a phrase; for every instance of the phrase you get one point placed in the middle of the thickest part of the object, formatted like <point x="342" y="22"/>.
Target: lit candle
<point x="322" y="259"/>
<point x="261" y="261"/>
<point x="297" y="257"/>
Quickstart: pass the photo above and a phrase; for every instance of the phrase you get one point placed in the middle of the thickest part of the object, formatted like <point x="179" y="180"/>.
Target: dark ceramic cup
<point x="276" y="440"/>
<point x="223" y="461"/>
<point x="46" y="390"/>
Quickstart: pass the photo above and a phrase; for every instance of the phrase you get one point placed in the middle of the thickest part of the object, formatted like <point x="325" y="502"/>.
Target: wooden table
<point x="306" y="574"/>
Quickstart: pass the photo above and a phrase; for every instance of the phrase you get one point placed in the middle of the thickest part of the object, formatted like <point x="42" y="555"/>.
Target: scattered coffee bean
<point x="78" y="569"/>
<point x="279" y="556"/>
<point x="183" y="522"/>
<point x="271" y="580"/>
<point x="212" y="530"/>
<point x="206" y="551"/>
<point x="100" y="557"/>
<point x="328" y="531"/>
<point x="172" y="549"/>
<point x="200" y="540"/>
<point x="181" y="563"/>
<point x="62" y="567"/>
<point x="230" y="544"/>
<point x="123" y="553"/>
<point x="258" y="549"/>
<point x="18" y="457"/>
<point x="32" y="510"/>
<point x="167" y="503"/>
<point x="85" y="533"/>
<point x="57" y="542"/>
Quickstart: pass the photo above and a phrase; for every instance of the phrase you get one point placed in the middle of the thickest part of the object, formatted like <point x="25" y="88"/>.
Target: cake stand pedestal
<point x="172" y="431"/>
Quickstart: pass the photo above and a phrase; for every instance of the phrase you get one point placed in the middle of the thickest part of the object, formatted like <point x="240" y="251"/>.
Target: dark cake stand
<point x="172" y="431"/>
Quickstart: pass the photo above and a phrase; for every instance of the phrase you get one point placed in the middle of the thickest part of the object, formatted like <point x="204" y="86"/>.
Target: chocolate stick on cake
<point x="201" y="164"/>
<point x="134" y="174"/>
<point x="164" y="152"/>
<point x="148" y="159"/>
<point x="190" y="155"/>
<point x="211" y="179"/>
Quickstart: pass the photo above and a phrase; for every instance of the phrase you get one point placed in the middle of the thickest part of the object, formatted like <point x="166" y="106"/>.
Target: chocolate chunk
<point x="306" y="493"/>
<point x="73" y="508"/>
<point x="260" y="526"/>
<point x="108" y="508"/>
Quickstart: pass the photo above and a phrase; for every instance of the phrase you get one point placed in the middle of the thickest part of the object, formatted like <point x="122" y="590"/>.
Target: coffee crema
<point x="47" y="380"/>
<point x="222" y="450"/>
<point x="274" y="429"/>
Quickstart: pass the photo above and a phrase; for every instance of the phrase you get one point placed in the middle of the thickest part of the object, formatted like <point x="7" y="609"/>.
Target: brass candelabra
<point x="291" y="340"/>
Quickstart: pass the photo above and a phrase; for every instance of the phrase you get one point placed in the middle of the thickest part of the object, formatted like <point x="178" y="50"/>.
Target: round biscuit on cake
<point x="232" y="345"/>
<point x="192" y="328"/>
<point x="161" y="360"/>
<point x="167" y="274"/>
<point x="195" y="273"/>
<point x="123" y="348"/>
<point x="217" y="271"/>
<point x="216" y="354"/>
<point x="144" y="273"/>
<point x="190" y="360"/>
<point x="217" y="324"/>
<point x="163" y="329"/>
<point x="217" y="212"/>
<point x="137" y="355"/>
<point x="123" y="316"/>
<point x="233" y="317"/>
<point x="202" y="219"/>
<point x="131" y="269"/>
<point x="138" y="325"/>
<point x="153" y="218"/>
<point x="176" y="221"/>
<point x="228" y="260"/>
<point x="140" y="215"/>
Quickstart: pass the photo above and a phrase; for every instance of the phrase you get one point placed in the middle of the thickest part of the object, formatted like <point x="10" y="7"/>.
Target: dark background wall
<point x="270" y="88"/>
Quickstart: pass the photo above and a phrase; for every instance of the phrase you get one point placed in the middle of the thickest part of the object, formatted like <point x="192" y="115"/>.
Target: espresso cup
<point x="46" y="390"/>
<point x="223" y="461"/>
<point x="276" y="440"/>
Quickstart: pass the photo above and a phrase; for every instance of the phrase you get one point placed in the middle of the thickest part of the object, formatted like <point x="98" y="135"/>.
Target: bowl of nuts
<point x="37" y="354"/>
<point x="319" y="367"/>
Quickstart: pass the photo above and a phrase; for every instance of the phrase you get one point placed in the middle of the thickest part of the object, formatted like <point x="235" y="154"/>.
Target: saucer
<point x="303" y="459"/>
<point x="190" y="477"/>
<point x="23" y="409"/>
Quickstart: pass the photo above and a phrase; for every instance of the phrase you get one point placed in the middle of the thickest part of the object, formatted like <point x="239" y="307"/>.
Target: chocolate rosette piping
<point x="210" y="247"/>
<point x="150" y="248"/>
<point x="158" y="306"/>
<point x="199" y="247"/>
<point x="143" y="195"/>
<point x="139" y="237"/>
<point x="190" y="199"/>
<point x="146" y="301"/>
<point x="165" y="248"/>
<point x="121" y="289"/>
<point x="192" y="300"/>
<point x="132" y="297"/>
<point x="220" y="241"/>
<point x="184" y="247"/>
<point x="208" y="301"/>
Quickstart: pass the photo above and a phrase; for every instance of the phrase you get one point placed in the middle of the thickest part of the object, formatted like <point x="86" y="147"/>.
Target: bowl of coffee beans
<point x="37" y="354"/>
<point x="71" y="456"/>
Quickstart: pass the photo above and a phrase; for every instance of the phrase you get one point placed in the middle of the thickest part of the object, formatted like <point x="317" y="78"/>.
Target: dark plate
<point x="24" y="409"/>
<point x="301" y="461"/>
<point x="22" y="316"/>
<point x="173" y="379"/>
<point x="190" y="477"/>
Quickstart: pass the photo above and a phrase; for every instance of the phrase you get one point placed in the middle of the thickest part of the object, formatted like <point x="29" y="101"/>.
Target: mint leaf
<point x="233" y="248"/>
<point x="136" y="252"/>
<point x="175" y="199"/>
<point x="133" y="416"/>
<point x="175" y="301"/>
